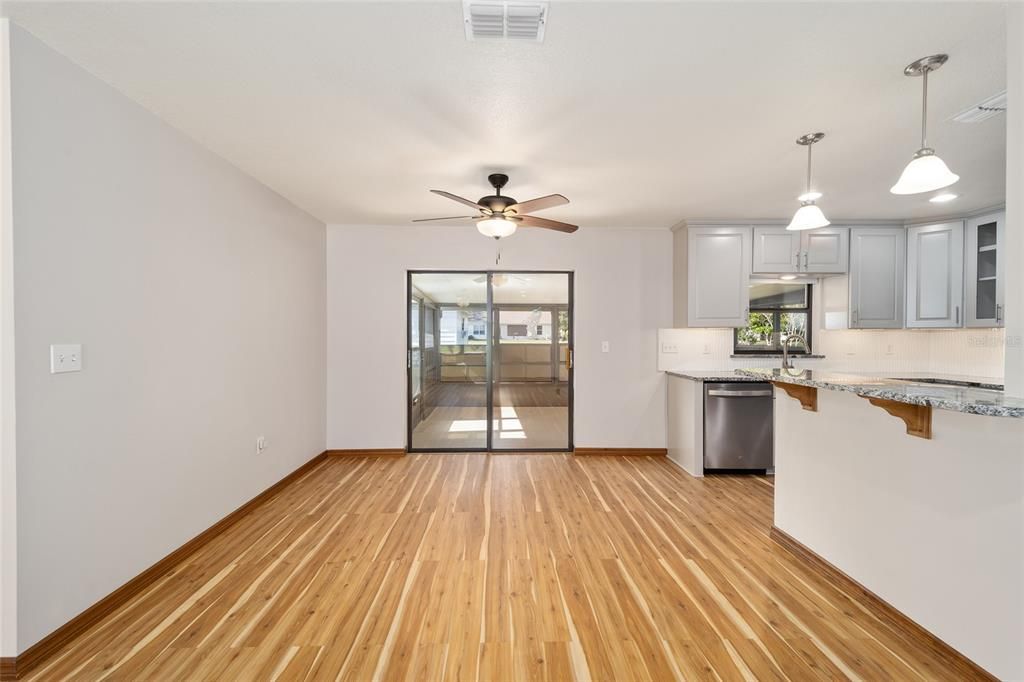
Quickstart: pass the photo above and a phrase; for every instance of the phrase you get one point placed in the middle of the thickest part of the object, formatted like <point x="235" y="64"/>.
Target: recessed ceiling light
<point x="943" y="198"/>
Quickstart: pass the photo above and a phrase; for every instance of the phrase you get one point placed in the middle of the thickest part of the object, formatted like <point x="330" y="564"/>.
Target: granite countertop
<point x="956" y="398"/>
<point x="711" y="375"/>
<point x="940" y="378"/>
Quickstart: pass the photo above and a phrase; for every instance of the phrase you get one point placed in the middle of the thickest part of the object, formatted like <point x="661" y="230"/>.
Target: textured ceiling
<point x="643" y="114"/>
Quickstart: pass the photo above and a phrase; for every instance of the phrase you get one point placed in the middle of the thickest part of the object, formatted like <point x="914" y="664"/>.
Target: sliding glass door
<point x="530" y="377"/>
<point x="489" y="361"/>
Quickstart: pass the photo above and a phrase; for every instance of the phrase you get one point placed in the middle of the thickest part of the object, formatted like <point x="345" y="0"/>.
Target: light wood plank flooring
<point x="498" y="567"/>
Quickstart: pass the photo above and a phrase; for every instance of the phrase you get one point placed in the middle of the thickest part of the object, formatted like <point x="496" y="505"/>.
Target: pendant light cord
<point x="924" y="109"/>
<point x="809" y="167"/>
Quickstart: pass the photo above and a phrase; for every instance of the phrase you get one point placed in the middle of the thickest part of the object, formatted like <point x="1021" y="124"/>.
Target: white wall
<point x="933" y="527"/>
<point x="8" y="463"/>
<point x="1015" y="200"/>
<point x="199" y="298"/>
<point x="623" y="291"/>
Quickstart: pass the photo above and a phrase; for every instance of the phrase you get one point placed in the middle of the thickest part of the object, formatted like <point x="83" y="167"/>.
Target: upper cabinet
<point x="718" y="276"/>
<point x="935" y="275"/>
<point x="877" y="258"/>
<point x="826" y="250"/>
<point x="822" y="251"/>
<point x="985" y="265"/>
<point x="776" y="249"/>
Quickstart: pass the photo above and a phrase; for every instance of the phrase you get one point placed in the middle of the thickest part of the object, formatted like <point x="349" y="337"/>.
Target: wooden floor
<point x="500" y="567"/>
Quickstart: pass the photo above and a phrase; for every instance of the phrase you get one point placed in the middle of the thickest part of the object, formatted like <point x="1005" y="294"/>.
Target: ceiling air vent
<point x="984" y="110"/>
<point x="486" y="19"/>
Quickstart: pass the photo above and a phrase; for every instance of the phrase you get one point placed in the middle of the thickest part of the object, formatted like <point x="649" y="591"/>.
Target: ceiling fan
<point x="499" y="216"/>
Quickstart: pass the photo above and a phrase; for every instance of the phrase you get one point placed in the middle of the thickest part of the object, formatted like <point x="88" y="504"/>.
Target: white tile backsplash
<point x="976" y="352"/>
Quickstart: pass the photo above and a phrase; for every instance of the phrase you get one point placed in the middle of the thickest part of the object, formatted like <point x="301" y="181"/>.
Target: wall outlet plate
<point x="65" y="357"/>
<point x="669" y="348"/>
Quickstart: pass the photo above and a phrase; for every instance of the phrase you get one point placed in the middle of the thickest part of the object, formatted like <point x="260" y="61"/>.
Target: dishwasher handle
<point x="738" y="394"/>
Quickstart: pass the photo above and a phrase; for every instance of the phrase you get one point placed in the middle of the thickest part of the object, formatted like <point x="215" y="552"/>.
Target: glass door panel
<point x="531" y="375"/>
<point x="448" y="348"/>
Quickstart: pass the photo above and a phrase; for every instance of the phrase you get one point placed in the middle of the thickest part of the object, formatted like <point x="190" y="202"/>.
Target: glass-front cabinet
<point x="985" y="270"/>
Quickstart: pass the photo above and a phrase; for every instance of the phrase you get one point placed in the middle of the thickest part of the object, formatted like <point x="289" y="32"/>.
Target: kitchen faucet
<point x="786" y="338"/>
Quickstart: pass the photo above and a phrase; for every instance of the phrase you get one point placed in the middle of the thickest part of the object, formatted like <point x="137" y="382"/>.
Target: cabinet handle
<point x="957" y="314"/>
<point x="805" y="261"/>
<point x="855" y="320"/>
<point x="999" y="312"/>
<point x="797" y="254"/>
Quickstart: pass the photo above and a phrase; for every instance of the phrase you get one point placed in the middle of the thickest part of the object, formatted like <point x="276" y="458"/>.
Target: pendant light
<point x="926" y="172"/>
<point x="808" y="216"/>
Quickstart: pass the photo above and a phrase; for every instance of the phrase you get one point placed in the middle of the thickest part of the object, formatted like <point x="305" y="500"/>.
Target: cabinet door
<point x="935" y="275"/>
<point x="877" y="259"/>
<point x="985" y="267"/>
<point x="826" y="250"/>
<point x="718" y="276"/>
<point x="776" y="249"/>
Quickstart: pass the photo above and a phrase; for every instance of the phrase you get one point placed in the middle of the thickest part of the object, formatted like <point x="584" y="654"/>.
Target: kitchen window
<point x="775" y="310"/>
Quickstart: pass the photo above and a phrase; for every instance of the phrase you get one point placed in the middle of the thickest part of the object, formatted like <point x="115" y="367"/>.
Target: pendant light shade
<point x="809" y="215"/>
<point x="926" y="172"/>
<point x="496" y="227"/>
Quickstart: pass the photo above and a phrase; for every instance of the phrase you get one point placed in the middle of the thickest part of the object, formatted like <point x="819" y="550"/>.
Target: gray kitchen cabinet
<point x="826" y="251"/>
<point x="935" y="275"/>
<point x="776" y="250"/>
<point x="822" y="251"/>
<point x="877" y="267"/>
<point x="985" y="268"/>
<point x="718" y="276"/>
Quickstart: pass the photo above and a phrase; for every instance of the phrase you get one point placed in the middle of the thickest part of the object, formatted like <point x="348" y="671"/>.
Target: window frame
<point x="777" y="313"/>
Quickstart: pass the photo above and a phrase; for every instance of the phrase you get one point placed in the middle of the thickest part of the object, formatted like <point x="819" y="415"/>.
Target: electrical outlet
<point x="605" y="346"/>
<point x="65" y="357"/>
<point x="669" y="348"/>
<point x="707" y="349"/>
<point x="261" y="444"/>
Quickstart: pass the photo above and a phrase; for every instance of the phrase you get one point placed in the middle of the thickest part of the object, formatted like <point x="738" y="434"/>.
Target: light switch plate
<point x="65" y="357"/>
<point x="605" y="346"/>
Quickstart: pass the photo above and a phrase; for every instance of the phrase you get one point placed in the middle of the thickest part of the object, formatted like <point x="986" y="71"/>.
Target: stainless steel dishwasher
<point x="738" y="423"/>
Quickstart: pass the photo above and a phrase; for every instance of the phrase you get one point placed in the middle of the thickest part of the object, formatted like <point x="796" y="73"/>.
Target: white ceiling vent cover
<point x="983" y="110"/>
<point x="508" y="20"/>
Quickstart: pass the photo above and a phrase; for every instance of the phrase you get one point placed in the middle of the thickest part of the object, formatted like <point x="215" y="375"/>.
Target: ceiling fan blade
<point x="454" y="217"/>
<point x="539" y="204"/>
<point x="455" y="197"/>
<point x="534" y="221"/>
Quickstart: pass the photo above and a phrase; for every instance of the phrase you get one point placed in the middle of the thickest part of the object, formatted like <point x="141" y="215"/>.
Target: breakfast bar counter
<point x="925" y="510"/>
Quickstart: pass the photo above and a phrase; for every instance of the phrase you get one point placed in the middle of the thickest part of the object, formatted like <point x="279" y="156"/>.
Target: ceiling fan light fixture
<point x="496" y="227"/>
<point x="926" y="172"/>
<point x="808" y="216"/>
<point x="500" y="215"/>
